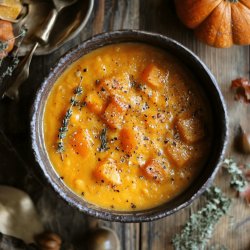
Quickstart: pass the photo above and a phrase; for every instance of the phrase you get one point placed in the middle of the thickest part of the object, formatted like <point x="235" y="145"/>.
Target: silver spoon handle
<point x="42" y="34"/>
<point x="22" y="74"/>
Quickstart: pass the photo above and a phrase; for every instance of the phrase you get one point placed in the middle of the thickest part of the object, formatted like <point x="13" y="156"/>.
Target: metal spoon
<point x="21" y="74"/>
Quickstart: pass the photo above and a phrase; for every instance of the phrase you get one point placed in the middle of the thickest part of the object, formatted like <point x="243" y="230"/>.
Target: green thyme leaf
<point x="78" y="91"/>
<point x="238" y="181"/>
<point x="74" y="102"/>
<point x="65" y="123"/>
<point x="62" y="135"/>
<point x="200" y="226"/>
<point x="11" y="65"/>
<point x="10" y="68"/>
<point x="3" y="45"/>
<point x="63" y="129"/>
<point x="103" y="139"/>
<point x="60" y="147"/>
<point x="66" y="119"/>
<point x="69" y="113"/>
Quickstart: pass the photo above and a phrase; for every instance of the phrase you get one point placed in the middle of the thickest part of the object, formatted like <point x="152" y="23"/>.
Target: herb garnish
<point x="104" y="141"/>
<point x="199" y="228"/>
<point x="15" y="60"/>
<point x="238" y="180"/>
<point x="3" y="45"/>
<point x="65" y="122"/>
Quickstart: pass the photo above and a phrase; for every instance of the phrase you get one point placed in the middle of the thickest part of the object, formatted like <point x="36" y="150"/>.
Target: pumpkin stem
<point x="233" y="1"/>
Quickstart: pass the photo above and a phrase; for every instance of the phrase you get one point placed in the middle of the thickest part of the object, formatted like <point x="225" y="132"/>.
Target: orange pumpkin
<point x="219" y="23"/>
<point x="6" y="35"/>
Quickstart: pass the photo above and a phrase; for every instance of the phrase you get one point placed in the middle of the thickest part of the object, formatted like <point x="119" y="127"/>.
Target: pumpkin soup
<point x="127" y="127"/>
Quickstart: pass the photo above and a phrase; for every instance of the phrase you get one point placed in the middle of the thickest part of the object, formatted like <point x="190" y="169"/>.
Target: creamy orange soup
<point x="126" y="127"/>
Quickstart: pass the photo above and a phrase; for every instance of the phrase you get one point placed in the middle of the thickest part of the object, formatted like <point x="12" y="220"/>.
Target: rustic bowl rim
<point x="124" y="216"/>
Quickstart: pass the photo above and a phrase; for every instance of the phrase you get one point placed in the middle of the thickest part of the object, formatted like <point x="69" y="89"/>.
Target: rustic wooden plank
<point x="226" y="64"/>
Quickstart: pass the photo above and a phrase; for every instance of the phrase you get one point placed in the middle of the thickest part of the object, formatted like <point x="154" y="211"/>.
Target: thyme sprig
<point x="66" y="119"/>
<point x="3" y="45"/>
<point x="238" y="180"/>
<point x="200" y="226"/>
<point x="15" y="60"/>
<point x="104" y="140"/>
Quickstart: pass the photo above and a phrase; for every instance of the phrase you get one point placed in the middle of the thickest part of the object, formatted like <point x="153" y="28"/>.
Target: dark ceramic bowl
<point x="210" y="87"/>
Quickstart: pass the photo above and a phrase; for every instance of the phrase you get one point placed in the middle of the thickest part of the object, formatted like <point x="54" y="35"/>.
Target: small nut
<point x="102" y="239"/>
<point x="48" y="241"/>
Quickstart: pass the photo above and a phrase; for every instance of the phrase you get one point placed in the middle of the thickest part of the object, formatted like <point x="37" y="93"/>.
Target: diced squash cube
<point x="128" y="140"/>
<point x="178" y="153"/>
<point x="114" y="84"/>
<point x="191" y="130"/>
<point x="152" y="170"/>
<point x="95" y="103"/>
<point x="114" y="113"/>
<point x="106" y="171"/>
<point x="81" y="142"/>
<point x="152" y="76"/>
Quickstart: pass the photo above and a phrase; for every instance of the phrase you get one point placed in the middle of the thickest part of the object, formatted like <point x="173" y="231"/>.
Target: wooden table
<point x="151" y="15"/>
